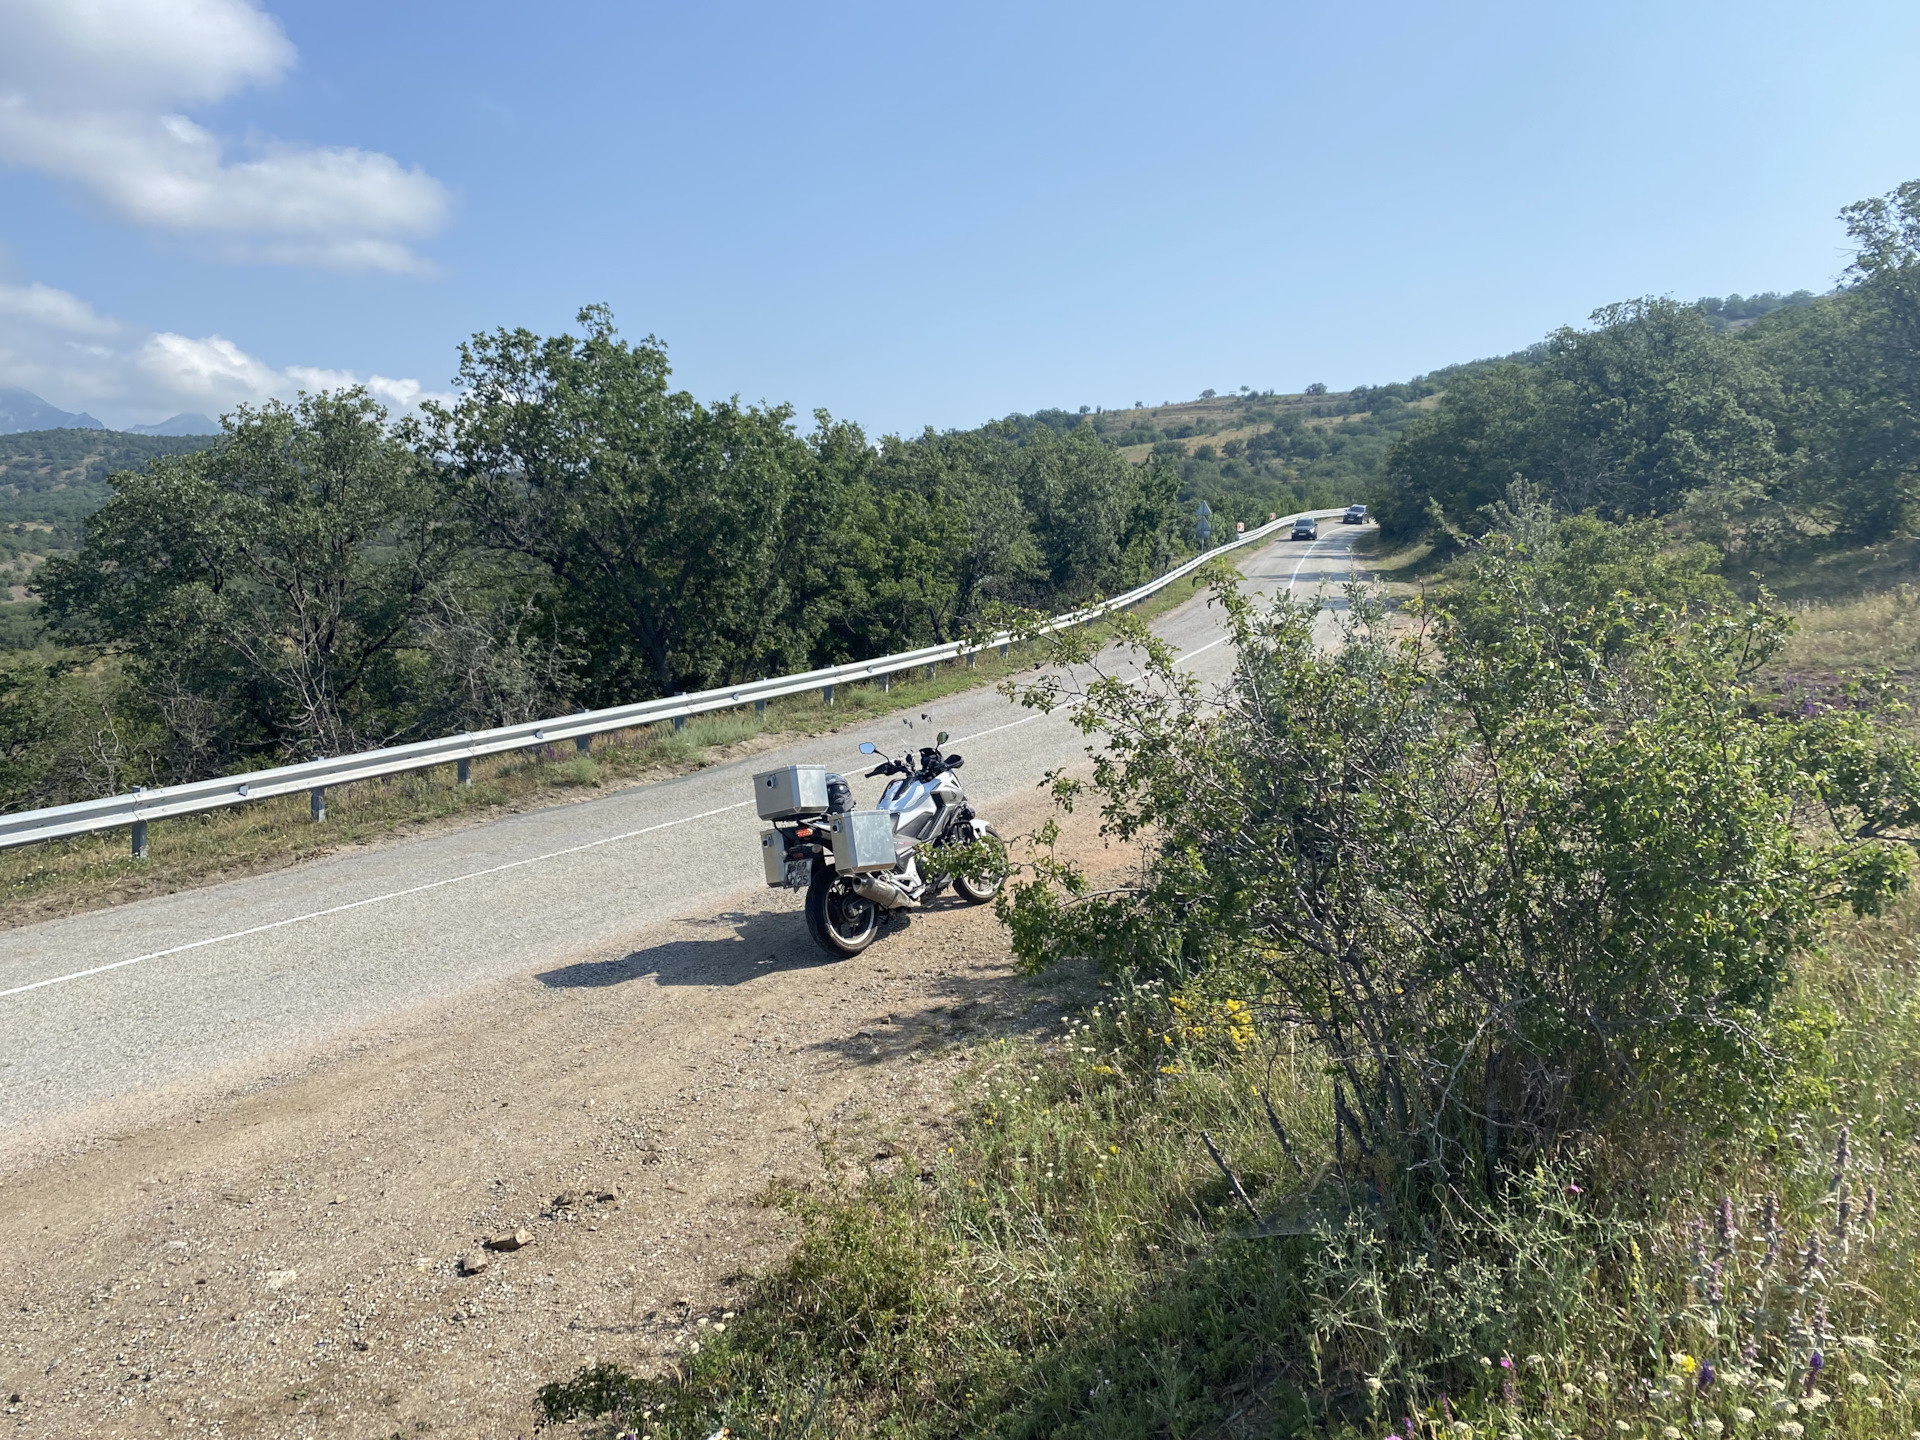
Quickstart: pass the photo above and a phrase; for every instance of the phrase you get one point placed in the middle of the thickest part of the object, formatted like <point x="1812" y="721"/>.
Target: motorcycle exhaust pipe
<point x="881" y="891"/>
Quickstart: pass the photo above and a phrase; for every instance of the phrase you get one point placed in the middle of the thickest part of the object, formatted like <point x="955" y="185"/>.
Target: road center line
<point x="371" y="900"/>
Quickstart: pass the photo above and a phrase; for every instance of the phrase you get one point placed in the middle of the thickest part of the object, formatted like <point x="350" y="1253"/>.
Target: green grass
<point x="69" y="876"/>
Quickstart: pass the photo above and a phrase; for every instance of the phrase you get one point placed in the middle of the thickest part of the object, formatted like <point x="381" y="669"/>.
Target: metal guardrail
<point x="135" y="810"/>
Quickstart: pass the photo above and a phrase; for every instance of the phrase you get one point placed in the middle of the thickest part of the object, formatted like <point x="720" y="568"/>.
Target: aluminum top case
<point x="862" y="841"/>
<point x="790" y="790"/>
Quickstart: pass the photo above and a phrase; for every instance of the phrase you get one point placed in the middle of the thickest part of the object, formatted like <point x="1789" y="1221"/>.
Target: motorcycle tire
<point x="841" y="922"/>
<point x="977" y="892"/>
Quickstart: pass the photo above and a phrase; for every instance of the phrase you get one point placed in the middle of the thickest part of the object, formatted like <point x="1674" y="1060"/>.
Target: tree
<point x="270" y="591"/>
<point x="1650" y="412"/>
<point x="949" y="535"/>
<point x="660" y="521"/>
<point x="1849" y="367"/>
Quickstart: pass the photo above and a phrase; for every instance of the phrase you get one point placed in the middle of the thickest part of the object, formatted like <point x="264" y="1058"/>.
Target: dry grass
<point x="1874" y="632"/>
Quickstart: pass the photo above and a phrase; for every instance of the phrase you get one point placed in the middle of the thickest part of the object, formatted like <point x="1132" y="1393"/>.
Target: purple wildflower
<point x="1723" y="1224"/>
<point x="1813" y="1370"/>
<point x="1705" y="1376"/>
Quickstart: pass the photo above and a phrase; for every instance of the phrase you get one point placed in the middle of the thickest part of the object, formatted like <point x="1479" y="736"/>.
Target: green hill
<point x="50" y="481"/>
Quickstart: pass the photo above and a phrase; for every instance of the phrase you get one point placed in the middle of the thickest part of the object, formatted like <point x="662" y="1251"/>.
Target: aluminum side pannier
<point x="862" y="841"/>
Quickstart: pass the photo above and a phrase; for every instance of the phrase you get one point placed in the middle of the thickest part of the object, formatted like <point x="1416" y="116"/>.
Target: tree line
<point x="571" y="532"/>
<point x="1764" y="426"/>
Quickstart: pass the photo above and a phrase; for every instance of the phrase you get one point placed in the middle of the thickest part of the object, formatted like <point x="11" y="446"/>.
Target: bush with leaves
<point x="1531" y="868"/>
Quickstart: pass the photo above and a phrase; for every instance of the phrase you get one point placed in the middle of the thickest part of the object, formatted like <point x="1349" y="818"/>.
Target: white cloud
<point x="54" y="310"/>
<point x="58" y="346"/>
<point x="93" y="90"/>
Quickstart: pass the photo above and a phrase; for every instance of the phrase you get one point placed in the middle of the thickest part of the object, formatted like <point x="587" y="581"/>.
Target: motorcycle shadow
<point x="734" y="948"/>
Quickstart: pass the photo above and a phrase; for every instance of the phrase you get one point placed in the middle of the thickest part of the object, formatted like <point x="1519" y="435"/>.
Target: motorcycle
<point x="863" y="869"/>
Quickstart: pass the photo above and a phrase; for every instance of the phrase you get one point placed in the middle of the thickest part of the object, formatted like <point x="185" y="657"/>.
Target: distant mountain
<point x="187" y="423"/>
<point x="24" y="410"/>
<point x="58" y="477"/>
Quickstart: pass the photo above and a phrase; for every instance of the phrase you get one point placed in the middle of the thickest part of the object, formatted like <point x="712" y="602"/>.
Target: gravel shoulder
<point x="281" y="1256"/>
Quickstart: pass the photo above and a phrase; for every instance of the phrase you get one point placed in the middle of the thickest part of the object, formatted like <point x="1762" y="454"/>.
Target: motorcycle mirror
<point x="941" y="738"/>
<point x="954" y="762"/>
<point x="867" y="747"/>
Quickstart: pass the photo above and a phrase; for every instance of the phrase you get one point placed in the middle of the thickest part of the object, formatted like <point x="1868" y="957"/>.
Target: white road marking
<point x="1294" y="579"/>
<point x="1189" y="654"/>
<point x="982" y="734"/>
<point x="371" y="900"/>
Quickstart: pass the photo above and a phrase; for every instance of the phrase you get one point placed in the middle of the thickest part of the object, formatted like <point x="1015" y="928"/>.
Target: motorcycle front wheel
<point x="979" y="891"/>
<point x="842" y="922"/>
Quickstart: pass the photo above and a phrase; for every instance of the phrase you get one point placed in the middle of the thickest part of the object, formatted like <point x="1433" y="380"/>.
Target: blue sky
<point x="907" y="214"/>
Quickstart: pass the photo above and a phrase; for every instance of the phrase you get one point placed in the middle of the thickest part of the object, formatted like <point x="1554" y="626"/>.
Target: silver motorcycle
<point x="862" y="869"/>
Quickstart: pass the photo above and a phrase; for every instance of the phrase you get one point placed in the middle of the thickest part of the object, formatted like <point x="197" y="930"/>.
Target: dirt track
<point x="281" y="1257"/>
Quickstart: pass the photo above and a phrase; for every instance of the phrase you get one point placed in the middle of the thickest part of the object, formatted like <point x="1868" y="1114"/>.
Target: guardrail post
<point x="463" y="772"/>
<point x="139" y="839"/>
<point x="759" y="709"/>
<point x="582" y="743"/>
<point x="826" y="694"/>
<point x="886" y="683"/>
<point x="679" y="723"/>
<point x="1003" y="652"/>
<point x="973" y="658"/>
<point x="317" y="803"/>
<point x="933" y="671"/>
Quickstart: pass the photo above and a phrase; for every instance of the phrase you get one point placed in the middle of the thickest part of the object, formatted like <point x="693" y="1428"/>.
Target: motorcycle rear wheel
<point x="841" y="922"/>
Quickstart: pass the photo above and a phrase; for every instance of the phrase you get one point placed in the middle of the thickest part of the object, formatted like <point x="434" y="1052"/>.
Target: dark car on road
<point x="1306" y="528"/>
<point x="1356" y="515"/>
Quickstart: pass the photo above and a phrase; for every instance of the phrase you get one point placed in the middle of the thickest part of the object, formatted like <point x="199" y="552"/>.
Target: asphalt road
<point x="116" y="1002"/>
